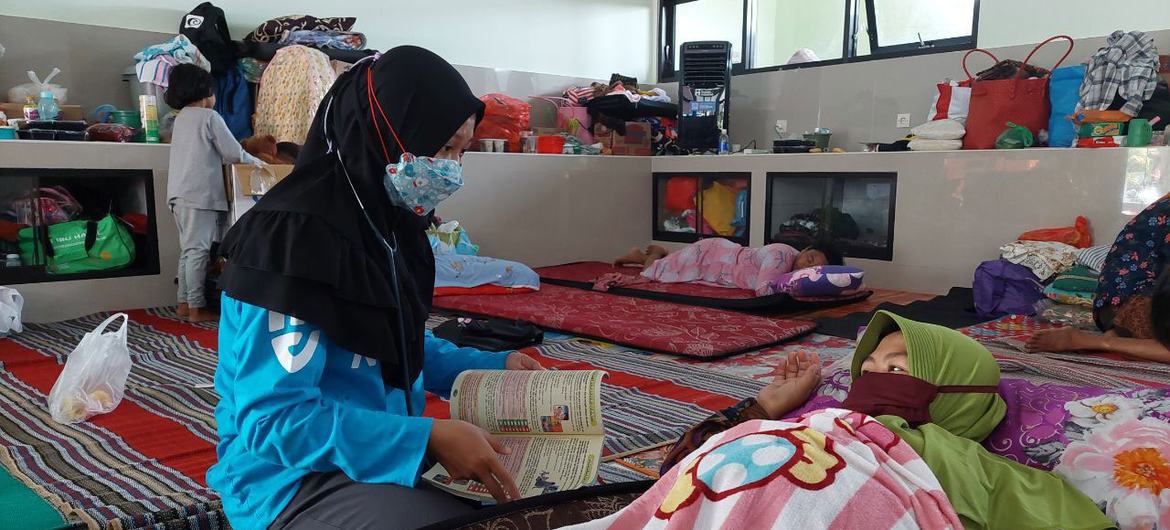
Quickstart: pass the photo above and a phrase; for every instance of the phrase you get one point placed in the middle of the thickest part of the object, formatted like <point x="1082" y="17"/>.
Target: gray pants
<point x="197" y="230"/>
<point x="331" y="501"/>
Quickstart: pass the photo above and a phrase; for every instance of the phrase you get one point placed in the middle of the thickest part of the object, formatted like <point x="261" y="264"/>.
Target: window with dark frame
<point x="765" y="33"/>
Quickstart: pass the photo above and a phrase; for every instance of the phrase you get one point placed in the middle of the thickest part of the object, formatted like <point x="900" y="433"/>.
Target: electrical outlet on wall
<point x="903" y="121"/>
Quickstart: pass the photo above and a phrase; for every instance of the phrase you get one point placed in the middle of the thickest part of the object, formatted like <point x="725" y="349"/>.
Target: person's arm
<point x="444" y="361"/>
<point x="284" y="419"/>
<point x="1148" y="349"/>
<point x="230" y="151"/>
<point x="746" y="410"/>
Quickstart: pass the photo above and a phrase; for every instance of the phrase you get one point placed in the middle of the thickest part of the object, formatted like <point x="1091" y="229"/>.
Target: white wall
<point x="1012" y="22"/>
<point x="581" y="38"/>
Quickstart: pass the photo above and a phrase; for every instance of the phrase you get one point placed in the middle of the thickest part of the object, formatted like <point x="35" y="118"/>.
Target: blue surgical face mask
<point x="419" y="184"/>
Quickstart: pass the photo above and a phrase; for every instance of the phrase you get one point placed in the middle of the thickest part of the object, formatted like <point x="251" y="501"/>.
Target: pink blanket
<point x="726" y="264"/>
<point x="830" y="469"/>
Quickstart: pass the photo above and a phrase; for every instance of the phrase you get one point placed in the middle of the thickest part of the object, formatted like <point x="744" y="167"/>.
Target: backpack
<point x="1002" y="287"/>
<point x="206" y="27"/>
<point x="291" y="89"/>
<point x="233" y="101"/>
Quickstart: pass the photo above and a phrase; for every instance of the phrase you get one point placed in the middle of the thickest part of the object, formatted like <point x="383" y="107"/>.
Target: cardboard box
<point x="68" y="112"/>
<point x="239" y="178"/>
<point x="636" y="141"/>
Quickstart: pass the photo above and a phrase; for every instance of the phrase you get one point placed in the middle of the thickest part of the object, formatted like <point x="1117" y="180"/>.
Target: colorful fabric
<point x="721" y="262"/>
<point x="454" y="270"/>
<point x="718" y="207"/>
<point x="23" y="508"/>
<point x="987" y="491"/>
<point x="1137" y="257"/>
<point x="1077" y="279"/>
<point x="1127" y="66"/>
<point x="272" y="30"/>
<point x="334" y="40"/>
<point x="830" y="469"/>
<point x="1133" y="318"/>
<point x="828" y="280"/>
<point x="1061" y="296"/>
<point x="1093" y="258"/>
<point x="154" y="63"/>
<point x="291" y="89"/>
<point x="744" y="411"/>
<point x="253" y="69"/>
<point x="646" y="324"/>
<point x="1077" y="316"/>
<point x="1045" y="258"/>
<point x="608" y="281"/>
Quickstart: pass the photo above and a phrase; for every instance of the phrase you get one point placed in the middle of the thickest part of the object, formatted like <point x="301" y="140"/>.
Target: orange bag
<point x="681" y="193"/>
<point x="1078" y="235"/>
<point x="504" y="117"/>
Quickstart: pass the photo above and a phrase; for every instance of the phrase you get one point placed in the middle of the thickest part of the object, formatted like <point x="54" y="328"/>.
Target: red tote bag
<point x="1018" y="100"/>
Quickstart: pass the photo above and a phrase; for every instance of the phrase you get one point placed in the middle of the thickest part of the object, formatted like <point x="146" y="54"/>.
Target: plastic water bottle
<point x="724" y="142"/>
<point x="47" y="108"/>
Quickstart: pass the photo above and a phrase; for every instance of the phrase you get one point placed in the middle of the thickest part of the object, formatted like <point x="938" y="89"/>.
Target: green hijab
<point x="987" y="491"/>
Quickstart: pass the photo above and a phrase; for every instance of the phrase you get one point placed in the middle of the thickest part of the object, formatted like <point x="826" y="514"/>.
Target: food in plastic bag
<point x="94" y="379"/>
<point x="110" y="132"/>
<point x="11" y="306"/>
<point x="1015" y="137"/>
<point x="1079" y="235"/>
<point x="450" y="238"/>
<point x="20" y="93"/>
<point x="504" y="117"/>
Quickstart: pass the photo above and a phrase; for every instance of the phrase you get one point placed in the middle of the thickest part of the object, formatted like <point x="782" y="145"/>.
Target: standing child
<point x="200" y="146"/>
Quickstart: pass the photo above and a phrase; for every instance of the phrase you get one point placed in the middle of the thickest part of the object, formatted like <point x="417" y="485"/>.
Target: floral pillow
<point x="824" y="281"/>
<point x="1113" y="446"/>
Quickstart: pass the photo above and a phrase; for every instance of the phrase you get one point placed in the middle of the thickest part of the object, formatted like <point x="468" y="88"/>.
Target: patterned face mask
<point x="419" y="184"/>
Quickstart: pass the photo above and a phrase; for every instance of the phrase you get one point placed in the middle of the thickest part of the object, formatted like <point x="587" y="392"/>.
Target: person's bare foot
<point x="654" y="253"/>
<point x="1058" y="340"/>
<point x="202" y="314"/>
<point x="184" y="310"/>
<point x="634" y="257"/>
<point x="795" y="381"/>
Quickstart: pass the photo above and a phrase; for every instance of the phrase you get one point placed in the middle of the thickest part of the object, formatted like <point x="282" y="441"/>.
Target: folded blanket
<point x="830" y="469"/>
<point x="1077" y="279"/>
<point x="935" y="145"/>
<point x="1062" y="296"/>
<point x="1045" y="258"/>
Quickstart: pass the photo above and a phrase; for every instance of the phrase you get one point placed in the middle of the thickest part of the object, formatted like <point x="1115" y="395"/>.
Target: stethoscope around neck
<point x="390" y="246"/>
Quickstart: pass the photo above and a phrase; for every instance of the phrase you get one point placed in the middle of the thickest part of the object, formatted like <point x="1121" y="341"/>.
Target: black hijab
<point x="306" y="249"/>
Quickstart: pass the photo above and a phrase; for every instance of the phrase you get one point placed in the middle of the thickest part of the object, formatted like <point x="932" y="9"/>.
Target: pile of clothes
<point x="938" y="135"/>
<point x="612" y="106"/>
<point x="1055" y="271"/>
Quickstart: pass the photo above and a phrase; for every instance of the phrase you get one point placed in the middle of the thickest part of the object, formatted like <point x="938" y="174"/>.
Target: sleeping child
<point x="726" y="264"/>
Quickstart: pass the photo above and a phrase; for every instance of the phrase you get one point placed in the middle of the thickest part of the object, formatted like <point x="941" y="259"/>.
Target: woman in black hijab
<point x="324" y="358"/>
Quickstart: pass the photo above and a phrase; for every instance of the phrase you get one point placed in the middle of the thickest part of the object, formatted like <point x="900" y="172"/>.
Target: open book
<point x="551" y="420"/>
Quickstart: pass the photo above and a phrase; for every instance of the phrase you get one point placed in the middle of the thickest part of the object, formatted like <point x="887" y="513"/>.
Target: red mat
<point x="665" y="327"/>
<point x="582" y="274"/>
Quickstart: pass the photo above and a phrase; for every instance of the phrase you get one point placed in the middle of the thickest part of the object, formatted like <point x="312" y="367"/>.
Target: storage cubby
<point x="25" y="194"/>
<point x="855" y="211"/>
<point x="692" y="206"/>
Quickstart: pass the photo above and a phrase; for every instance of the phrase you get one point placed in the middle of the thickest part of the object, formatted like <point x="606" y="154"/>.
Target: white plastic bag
<point x="11" y="306"/>
<point x="20" y="93"/>
<point x="947" y="129"/>
<point x="94" y="379"/>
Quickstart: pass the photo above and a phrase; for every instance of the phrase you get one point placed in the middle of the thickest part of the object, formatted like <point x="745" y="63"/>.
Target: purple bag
<point x="1005" y="288"/>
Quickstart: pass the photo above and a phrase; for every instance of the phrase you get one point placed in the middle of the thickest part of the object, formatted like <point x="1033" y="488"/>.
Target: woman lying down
<point x="905" y="454"/>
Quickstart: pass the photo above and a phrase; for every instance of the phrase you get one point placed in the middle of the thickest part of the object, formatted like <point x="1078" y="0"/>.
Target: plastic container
<point x="147" y="107"/>
<point x="47" y="107"/>
<point x="550" y="145"/>
<point x="136" y="88"/>
<point x="1140" y="133"/>
<point x="7" y="133"/>
<point x="31" y="111"/>
<point x="820" y="140"/>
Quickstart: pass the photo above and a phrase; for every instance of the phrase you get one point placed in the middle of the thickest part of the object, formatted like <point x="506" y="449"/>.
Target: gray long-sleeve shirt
<point x="200" y="146"/>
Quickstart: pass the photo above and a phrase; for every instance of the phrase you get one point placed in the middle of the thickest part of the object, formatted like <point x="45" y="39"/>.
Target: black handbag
<point x="490" y="334"/>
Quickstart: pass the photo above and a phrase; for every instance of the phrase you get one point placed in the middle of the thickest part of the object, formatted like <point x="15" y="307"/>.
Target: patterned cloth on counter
<point x="830" y="469"/>
<point x="154" y="63"/>
<point x="273" y="30"/>
<point x="1126" y="66"/>
<point x="291" y="88"/>
<point x="1045" y="258"/>
<point x="337" y="40"/>
<point x="605" y="282"/>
